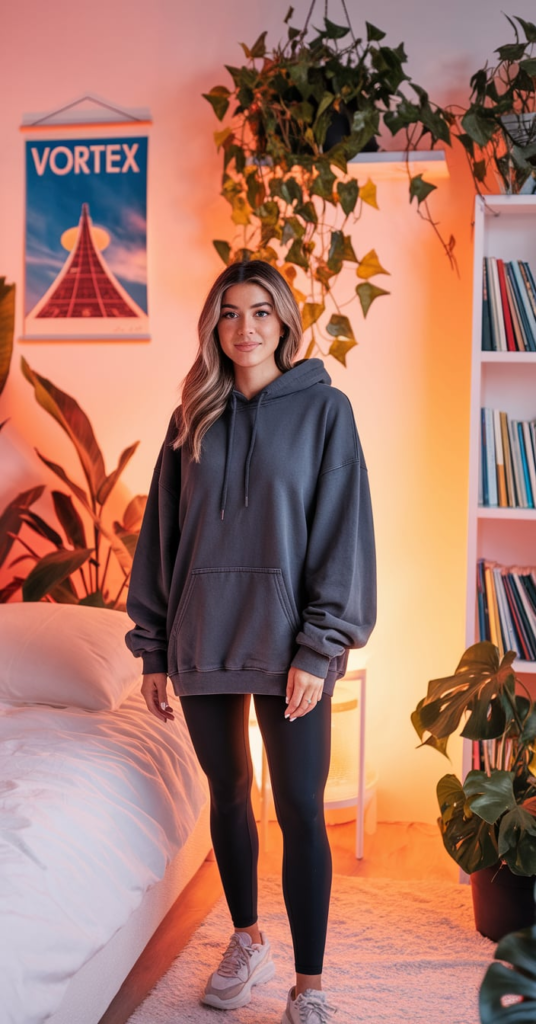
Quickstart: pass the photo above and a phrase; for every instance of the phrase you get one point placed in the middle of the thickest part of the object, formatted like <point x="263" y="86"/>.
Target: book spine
<point x="530" y="318"/>
<point x="518" y="332"/>
<point x="495" y="291"/>
<point x="519" y="308"/>
<point x="486" y="325"/>
<point x="490" y="459"/>
<point x="505" y="619"/>
<point x="521" y="497"/>
<point x="510" y="342"/>
<point x="507" y="455"/>
<point x="524" y="464"/>
<point x="484" y="458"/>
<point x="499" y="459"/>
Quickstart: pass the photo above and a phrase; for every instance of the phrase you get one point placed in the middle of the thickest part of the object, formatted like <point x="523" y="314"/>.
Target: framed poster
<point x="86" y="235"/>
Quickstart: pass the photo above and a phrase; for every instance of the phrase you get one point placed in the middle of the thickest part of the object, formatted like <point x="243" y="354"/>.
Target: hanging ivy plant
<point x="498" y="129"/>
<point x="292" y="120"/>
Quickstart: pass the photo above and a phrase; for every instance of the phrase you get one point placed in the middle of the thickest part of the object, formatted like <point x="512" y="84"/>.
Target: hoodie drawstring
<point x="228" y="456"/>
<point x="250" y="452"/>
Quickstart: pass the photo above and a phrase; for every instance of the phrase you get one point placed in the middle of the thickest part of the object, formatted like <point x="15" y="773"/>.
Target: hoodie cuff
<point x="154" y="661"/>
<point x="310" y="661"/>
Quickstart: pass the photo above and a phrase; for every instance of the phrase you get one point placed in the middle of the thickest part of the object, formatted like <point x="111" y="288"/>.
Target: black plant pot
<point x="502" y="902"/>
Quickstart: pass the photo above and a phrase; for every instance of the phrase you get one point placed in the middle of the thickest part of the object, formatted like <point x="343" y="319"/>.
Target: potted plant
<point x="295" y="116"/>
<point x="488" y="822"/>
<point x="76" y="568"/>
<point x="508" y="993"/>
<point x="498" y="128"/>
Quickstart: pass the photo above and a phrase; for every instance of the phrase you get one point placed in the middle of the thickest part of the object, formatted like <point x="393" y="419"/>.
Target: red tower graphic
<point x="86" y="288"/>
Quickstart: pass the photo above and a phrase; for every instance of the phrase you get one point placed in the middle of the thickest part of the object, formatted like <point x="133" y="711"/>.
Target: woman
<point x="254" y="573"/>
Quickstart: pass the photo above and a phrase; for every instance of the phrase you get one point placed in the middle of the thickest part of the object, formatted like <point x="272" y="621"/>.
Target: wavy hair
<point x="209" y="382"/>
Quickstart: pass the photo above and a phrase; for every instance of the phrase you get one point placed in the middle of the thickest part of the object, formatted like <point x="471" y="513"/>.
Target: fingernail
<point x="163" y="706"/>
<point x="286" y="700"/>
<point x="286" y="716"/>
<point x="293" y="719"/>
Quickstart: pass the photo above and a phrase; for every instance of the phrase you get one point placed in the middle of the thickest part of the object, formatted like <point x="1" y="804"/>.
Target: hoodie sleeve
<point x="340" y="566"/>
<point x="154" y="559"/>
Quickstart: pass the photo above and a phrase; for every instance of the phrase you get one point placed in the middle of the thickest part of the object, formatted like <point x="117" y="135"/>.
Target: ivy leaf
<point x="291" y="191"/>
<point x="307" y="212"/>
<point x="292" y="229"/>
<point x="370" y="265"/>
<point x="529" y="66"/>
<point x="334" y="31"/>
<point x="224" y="250"/>
<point x="366" y="294"/>
<point x="368" y="194"/>
<point x="511" y="51"/>
<point x="218" y="97"/>
<point x="373" y="34"/>
<point x="339" y="349"/>
<point x="311" y="313"/>
<point x="478" y="127"/>
<point x="529" y="29"/>
<point x="241" y="210"/>
<point x="348" y="192"/>
<point x="323" y="183"/>
<point x="297" y="255"/>
<point x="221" y="137"/>
<point x="340" y="327"/>
<point x="420" y="189"/>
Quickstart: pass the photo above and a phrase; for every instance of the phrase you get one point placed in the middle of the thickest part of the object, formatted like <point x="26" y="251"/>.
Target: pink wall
<point x="409" y="377"/>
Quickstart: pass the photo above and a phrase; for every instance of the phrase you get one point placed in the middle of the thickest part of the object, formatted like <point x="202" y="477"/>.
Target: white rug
<point x="396" y="952"/>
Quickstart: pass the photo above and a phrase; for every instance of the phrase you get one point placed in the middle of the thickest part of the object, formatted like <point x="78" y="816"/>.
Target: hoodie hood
<point x="301" y="375"/>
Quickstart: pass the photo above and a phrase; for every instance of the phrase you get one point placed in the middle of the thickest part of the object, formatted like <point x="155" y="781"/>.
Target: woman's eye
<point x="262" y="312"/>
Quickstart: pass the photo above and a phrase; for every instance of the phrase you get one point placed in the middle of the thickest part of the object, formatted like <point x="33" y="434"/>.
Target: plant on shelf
<point x="297" y="114"/>
<point x="491" y="817"/>
<point x="75" y="570"/>
<point x="498" y="128"/>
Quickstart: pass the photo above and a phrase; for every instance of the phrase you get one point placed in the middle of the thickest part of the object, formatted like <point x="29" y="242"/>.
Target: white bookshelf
<point x="505" y="227"/>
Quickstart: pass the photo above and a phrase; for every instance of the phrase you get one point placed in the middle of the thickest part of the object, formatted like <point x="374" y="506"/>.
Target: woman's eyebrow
<point x="229" y="305"/>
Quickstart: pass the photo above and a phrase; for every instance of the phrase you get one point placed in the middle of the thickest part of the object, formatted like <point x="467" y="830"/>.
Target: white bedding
<point x="93" y="806"/>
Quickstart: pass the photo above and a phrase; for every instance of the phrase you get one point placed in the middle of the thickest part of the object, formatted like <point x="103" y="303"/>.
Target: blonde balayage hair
<point x="209" y="382"/>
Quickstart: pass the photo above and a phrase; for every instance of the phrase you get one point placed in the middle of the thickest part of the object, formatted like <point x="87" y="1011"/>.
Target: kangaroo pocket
<point x="233" y="619"/>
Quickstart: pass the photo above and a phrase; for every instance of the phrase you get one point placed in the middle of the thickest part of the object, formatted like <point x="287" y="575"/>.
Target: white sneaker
<point x="310" y="1007"/>
<point x="244" y="964"/>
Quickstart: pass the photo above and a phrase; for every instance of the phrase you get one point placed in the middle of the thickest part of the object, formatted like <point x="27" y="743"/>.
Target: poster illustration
<point x="86" y="240"/>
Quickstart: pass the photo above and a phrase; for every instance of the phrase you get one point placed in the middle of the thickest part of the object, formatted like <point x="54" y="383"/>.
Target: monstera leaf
<point x="508" y="993"/>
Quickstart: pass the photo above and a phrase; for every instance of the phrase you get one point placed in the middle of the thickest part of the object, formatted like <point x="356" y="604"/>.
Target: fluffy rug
<point x="396" y="952"/>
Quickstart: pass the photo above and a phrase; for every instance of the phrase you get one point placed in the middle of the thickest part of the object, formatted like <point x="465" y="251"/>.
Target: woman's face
<point x="249" y="328"/>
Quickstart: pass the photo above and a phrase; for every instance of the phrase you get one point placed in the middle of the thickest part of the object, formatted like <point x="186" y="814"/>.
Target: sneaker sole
<point x="265" y="973"/>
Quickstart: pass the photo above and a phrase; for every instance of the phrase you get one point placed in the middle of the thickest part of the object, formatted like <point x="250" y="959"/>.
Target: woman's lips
<point x="246" y="346"/>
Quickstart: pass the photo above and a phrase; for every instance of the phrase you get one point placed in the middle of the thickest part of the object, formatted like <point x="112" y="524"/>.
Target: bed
<point x="103" y="812"/>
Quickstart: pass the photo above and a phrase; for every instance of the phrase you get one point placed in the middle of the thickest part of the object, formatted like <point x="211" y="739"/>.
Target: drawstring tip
<point x="222" y="511"/>
<point x="246" y="501"/>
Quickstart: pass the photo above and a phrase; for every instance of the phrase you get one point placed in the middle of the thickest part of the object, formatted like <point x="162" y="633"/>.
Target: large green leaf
<point x="52" y="569"/>
<point x="7" y="327"/>
<point x="111" y="480"/>
<point x="490" y="795"/>
<point x="479" y="678"/>
<point x="518" y="980"/>
<point x="74" y="422"/>
<point x="12" y="517"/>
<point x="69" y="519"/>
<point x="468" y="839"/>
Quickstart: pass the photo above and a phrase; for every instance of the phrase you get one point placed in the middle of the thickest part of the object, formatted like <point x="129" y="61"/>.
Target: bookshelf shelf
<point x="485" y="512"/>
<point x="505" y="228"/>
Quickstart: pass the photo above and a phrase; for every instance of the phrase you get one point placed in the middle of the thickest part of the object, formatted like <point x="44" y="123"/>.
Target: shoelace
<point x="313" y="1011"/>
<point x="234" y="957"/>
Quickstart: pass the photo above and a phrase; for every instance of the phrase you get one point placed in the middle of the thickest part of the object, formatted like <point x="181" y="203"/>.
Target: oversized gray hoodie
<point x="262" y="555"/>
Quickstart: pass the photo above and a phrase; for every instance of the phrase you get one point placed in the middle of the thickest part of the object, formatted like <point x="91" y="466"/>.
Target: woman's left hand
<point x="303" y="693"/>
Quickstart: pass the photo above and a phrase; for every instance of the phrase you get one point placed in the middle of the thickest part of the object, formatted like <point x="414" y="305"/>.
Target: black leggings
<point x="298" y="756"/>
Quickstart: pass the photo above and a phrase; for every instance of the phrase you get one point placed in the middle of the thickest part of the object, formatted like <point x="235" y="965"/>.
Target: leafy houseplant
<point x="498" y="129"/>
<point x="491" y="817"/>
<point x="75" y="570"/>
<point x="508" y="994"/>
<point x="297" y="114"/>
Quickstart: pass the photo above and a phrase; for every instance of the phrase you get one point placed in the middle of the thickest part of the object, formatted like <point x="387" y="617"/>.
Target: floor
<point x="397" y="850"/>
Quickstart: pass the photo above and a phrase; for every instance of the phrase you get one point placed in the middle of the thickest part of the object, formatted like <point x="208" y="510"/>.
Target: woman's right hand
<point x="154" y="689"/>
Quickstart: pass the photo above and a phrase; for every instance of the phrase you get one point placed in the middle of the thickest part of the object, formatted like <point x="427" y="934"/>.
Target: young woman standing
<point x="255" y="573"/>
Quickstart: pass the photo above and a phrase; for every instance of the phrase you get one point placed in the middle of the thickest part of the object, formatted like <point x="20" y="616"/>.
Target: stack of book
<point x="507" y="608"/>
<point x="507" y="465"/>
<point x="508" y="306"/>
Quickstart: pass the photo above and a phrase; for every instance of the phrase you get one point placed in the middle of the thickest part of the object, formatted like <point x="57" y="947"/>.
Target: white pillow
<point x="67" y="655"/>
